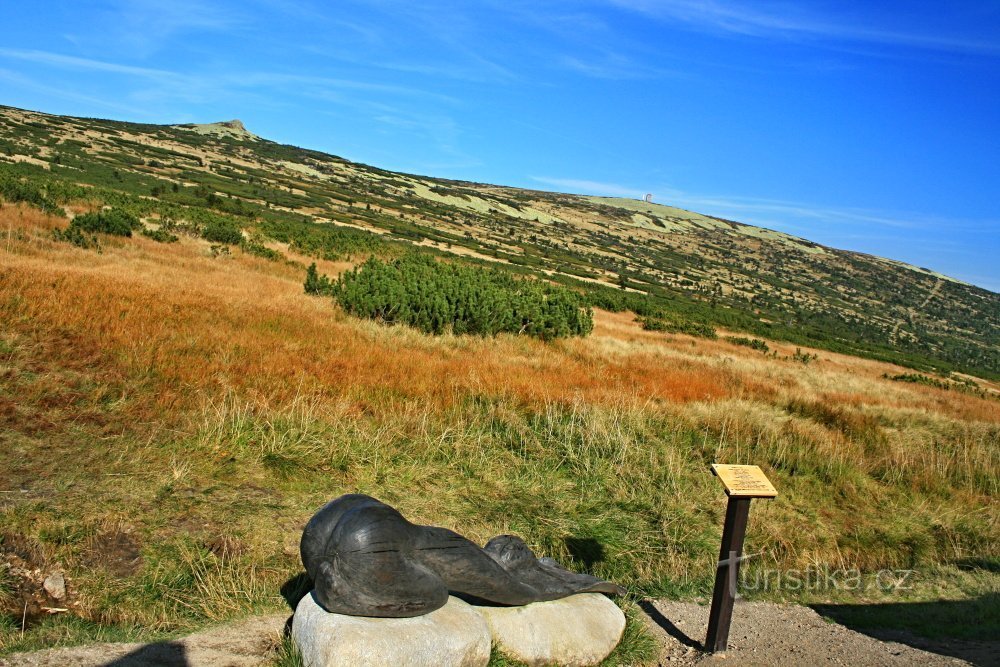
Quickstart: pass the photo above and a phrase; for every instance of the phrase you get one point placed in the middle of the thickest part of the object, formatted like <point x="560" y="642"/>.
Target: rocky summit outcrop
<point x="234" y="129"/>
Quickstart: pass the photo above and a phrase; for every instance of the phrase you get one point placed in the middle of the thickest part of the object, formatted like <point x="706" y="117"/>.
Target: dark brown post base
<point x="726" y="575"/>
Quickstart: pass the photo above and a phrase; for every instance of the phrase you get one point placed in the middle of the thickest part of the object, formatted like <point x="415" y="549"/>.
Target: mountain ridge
<point x="654" y="259"/>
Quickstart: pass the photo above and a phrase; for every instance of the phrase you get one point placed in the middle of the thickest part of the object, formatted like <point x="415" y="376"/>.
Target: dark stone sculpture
<point x="365" y="559"/>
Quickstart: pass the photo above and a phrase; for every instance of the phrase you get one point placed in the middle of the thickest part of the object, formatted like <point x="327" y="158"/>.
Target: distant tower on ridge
<point x="648" y="199"/>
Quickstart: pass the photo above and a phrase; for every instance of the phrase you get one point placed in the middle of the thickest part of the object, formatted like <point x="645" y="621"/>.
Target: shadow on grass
<point x="295" y="589"/>
<point x="987" y="564"/>
<point x="965" y="629"/>
<point x="585" y="550"/>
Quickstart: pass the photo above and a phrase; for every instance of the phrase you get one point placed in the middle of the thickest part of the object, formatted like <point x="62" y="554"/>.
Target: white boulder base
<point x="576" y="631"/>
<point x="452" y="636"/>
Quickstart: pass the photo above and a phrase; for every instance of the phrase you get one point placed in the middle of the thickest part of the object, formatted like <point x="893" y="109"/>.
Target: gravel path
<point x="764" y="633"/>
<point x="249" y="643"/>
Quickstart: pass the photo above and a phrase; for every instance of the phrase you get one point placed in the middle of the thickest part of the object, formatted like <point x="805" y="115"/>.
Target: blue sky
<point x="867" y="126"/>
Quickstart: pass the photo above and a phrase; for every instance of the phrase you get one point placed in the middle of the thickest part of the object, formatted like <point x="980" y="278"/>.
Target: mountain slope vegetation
<point x="172" y="413"/>
<point x="179" y="392"/>
<point x="658" y="261"/>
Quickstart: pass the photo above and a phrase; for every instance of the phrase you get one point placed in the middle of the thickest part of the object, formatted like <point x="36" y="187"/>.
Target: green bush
<point x="804" y="357"/>
<point x="438" y="296"/>
<point x="323" y="240"/>
<point x="14" y="189"/>
<point x="161" y="235"/>
<point x="672" y="323"/>
<point x="114" y="221"/>
<point x="258" y="249"/>
<point x="316" y="283"/>
<point x="221" y="232"/>
<point x="75" y="236"/>
<point x="83" y="229"/>
<point x="753" y="343"/>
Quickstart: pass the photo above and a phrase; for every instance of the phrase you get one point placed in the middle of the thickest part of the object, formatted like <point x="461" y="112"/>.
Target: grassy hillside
<point x="172" y="413"/>
<point x="695" y="272"/>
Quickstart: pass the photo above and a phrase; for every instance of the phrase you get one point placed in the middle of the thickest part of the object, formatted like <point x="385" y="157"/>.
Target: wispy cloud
<point x="144" y="27"/>
<point x="175" y="82"/>
<point x="791" y="20"/>
<point x="800" y="216"/>
<point x="393" y="107"/>
<point x="749" y="209"/>
<point x="271" y="79"/>
<point x="609" y="65"/>
<point x="462" y="44"/>
<point x="14" y="79"/>
<point x="74" y="63"/>
<point x="583" y="186"/>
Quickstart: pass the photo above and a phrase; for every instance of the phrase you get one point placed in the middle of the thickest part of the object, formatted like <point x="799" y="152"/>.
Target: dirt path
<point x="764" y="633"/>
<point x="249" y="643"/>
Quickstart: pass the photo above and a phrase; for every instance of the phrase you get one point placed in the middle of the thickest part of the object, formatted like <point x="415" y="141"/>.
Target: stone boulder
<point x="452" y="636"/>
<point x="55" y="585"/>
<point x="579" y="630"/>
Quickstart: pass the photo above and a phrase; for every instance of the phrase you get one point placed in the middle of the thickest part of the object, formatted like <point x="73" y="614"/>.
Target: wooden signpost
<point x="742" y="484"/>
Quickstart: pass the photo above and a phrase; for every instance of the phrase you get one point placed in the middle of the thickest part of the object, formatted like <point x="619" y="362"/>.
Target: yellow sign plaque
<point x="744" y="481"/>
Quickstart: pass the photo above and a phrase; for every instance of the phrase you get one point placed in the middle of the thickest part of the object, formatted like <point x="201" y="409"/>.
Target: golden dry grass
<point x="201" y="323"/>
<point x="155" y="390"/>
<point x="243" y="323"/>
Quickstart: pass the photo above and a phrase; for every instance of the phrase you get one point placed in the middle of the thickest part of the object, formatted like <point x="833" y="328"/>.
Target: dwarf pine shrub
<point x="112" y="221"/>
<point x="83" y="229"/>
<point x="222" y="232"/>
<point x="673" y="323"/>
<point x="753" y="343"/>
<point x="436" y="297"/>
<point x="316" y="283"/>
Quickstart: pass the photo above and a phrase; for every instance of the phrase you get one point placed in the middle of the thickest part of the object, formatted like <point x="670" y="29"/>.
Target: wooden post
<point x="726" y="574"/>
<point x="743" y="484"/>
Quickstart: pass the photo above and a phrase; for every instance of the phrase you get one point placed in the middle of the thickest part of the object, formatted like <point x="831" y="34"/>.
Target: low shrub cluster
<point x="324" y="241"/>
<point x="113" y="221"/>
<point x="75" y="236"/>
<point x="671" y="323"/>
<point x="83" y="230"/>
<point x="316" y="283"/>
<point x="803" y="357"/>
<point x="752" y="343"/>
<point x="14" y="189"/>
<point x="161" y="235"/>
<point x="957" y="383"/>
<point x="220" y="232"/>
<point x="436" y="297"/>
<point x="255" y="246"/>
<point x="918" y="378"/>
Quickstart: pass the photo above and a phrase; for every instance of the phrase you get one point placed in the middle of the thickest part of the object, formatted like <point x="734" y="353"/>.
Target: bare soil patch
<point x="116" y="552"/>
<point x="765" y="633"/>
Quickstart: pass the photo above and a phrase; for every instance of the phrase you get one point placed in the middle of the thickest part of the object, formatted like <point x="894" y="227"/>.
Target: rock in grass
<point x="55" y="585"/>
<point x="578" y="630"/>
<point x="452" y="636"/>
